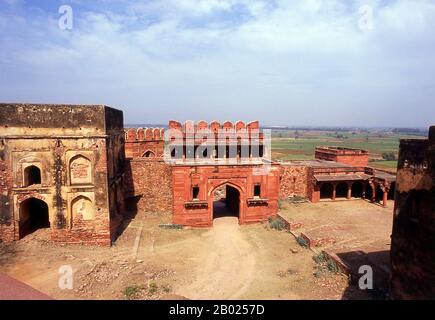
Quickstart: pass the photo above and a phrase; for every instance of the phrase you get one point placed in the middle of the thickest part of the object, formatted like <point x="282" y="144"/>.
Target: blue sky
<point x="299" y="62"/>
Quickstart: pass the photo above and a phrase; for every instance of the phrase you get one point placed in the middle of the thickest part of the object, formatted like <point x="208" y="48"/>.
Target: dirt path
<point x="227" y="269"/>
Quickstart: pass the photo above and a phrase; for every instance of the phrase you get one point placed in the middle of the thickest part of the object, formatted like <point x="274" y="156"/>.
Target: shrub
<point x="302" y="241"/>
<point x="152" y="288"/>
<point x="166" y="288"/>
<point x="131" y="292"/>
<point x="318" y="271"/>
<point x="332" y="266"/>
<point x="276" y="223"/>
<point x="389" y="156"/>
<point x="320" y="258"/>
<point x="297" y="199"/>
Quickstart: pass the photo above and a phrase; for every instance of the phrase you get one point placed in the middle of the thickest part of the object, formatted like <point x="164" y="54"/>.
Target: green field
<point x="300" y="145"/>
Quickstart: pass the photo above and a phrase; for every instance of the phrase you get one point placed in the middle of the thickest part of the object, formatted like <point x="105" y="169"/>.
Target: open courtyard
<point x="153" y="259"/>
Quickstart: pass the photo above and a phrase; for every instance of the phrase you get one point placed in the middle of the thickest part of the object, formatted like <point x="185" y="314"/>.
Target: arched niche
<point x="82" y="208"/>
<point x="80" y="170"/>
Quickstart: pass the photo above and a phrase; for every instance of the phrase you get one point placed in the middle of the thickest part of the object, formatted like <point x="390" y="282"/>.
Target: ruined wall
<point x="150" y="182"/>
<point x="413" y="238"/>
<point x="79" y="152"/>
<point x="293" y="181"/>
<point x="6" y="218"/>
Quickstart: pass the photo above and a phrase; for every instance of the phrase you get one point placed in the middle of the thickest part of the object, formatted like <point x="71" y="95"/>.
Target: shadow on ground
<point x="379" y="261"/>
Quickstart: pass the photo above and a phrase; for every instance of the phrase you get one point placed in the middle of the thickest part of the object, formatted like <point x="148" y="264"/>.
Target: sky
<point x="295" y="62"/>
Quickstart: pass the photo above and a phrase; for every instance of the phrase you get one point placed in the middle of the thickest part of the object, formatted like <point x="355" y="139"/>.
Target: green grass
<point x="384" y="164"/>
<point x="131" y="291"/>
<point x="289" y="148"/>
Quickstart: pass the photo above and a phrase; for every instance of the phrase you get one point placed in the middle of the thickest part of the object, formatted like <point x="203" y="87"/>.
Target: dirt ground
<point x="357" y="231"/>
<point x="149" y="261"/>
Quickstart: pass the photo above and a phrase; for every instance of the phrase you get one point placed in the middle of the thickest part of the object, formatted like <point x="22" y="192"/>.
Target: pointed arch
<point x="33" y="215"/>
<point x="82" y="208"/>
<point x="149" y="154"/>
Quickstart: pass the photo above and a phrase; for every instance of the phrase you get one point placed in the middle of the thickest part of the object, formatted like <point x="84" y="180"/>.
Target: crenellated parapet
<point x="214" y="140"/>
<point x="214" y="126"/>
<point x="144" y="142"/>
<point x="413" y="236"/>
<point x="144" y="134"/>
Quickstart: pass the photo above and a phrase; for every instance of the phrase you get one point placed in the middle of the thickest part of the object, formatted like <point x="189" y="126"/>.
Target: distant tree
<point x="389" y="156"/>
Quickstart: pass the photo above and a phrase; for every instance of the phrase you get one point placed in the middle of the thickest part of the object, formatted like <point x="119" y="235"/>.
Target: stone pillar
<point x="384" y="200"/>
<point x="334" y="191"/>
<point x="349" y="190"/>
<point x="385" y="188"/>
<point x="364" y="190"/>
<point x="373" y="185"/>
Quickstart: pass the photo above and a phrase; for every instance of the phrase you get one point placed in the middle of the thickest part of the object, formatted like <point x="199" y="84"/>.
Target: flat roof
<point x="341" y="177"/>
<point x="385" y="176"/>
<point x="316" y="163"/>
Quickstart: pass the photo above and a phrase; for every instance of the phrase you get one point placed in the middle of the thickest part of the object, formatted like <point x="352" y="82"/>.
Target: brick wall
<point x="413" y="237"/>
<point x="6" y="221"/>
<point x="294" y="181"/>
<point x="150" y="181"/>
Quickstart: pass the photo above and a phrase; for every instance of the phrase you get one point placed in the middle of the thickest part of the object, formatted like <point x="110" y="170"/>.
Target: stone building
<point x="228" y="159"/>
<point x="62" y="167"/>
<point x="196" y="180"/>
<point x="353" y="157"/>
<point x="345" y="176"/>
<point x="84" y="171"/>
<point x="413" y="238"/>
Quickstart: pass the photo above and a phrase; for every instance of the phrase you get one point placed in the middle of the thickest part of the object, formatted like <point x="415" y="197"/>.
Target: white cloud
<point x="280" y="61"/>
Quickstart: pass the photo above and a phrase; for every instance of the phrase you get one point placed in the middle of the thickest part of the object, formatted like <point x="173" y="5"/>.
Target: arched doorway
<point x="341" y="190"/>
<point x="33" y="216"/>
<point x="226" y="202"/>
<point x="357" y="189"/>
<point x="326" y="191"/>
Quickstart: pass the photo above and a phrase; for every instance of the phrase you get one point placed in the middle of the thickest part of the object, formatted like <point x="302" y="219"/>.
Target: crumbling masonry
<point x="76" y="170"/>
<point x="413" y="238"/>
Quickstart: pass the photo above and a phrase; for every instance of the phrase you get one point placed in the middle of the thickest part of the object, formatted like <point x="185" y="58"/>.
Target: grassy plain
<point x="300" y="144"/>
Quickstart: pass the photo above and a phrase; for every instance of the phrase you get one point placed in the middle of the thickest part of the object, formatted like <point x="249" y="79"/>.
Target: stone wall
<point x="413" y="238"/>
<point x="79" y="154"/>
<point x="294" y="181"/>
<point x="6" y="218"/>
<point x="149" y="181"/>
